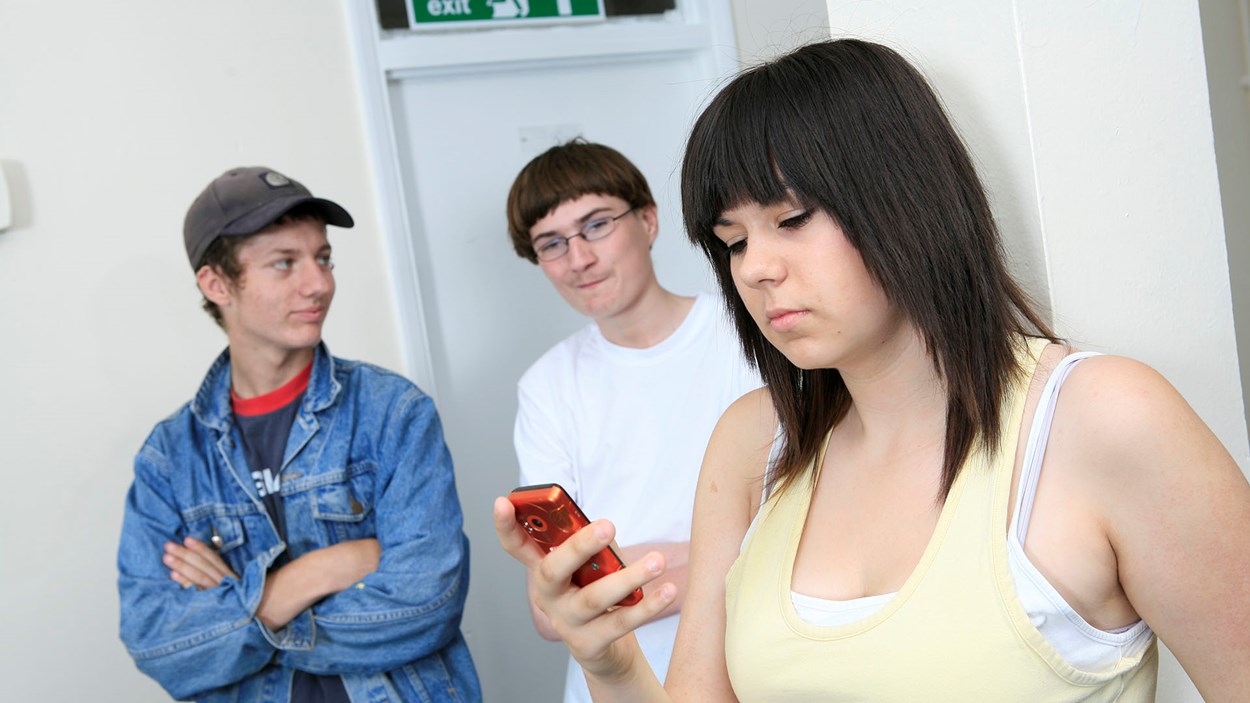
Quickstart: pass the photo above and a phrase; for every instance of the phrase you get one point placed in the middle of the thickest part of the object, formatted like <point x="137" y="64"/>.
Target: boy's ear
<point x="651" y="219"/>
<point x="213" y="285"/>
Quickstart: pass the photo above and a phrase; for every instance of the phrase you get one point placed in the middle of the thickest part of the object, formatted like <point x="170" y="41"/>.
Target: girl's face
<point x="806" y="286"/>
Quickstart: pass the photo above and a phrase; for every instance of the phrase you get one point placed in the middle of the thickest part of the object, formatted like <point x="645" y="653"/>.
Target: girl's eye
<point x="736" y="247"/>
<point x="325" y="262"/>
<point x="797" y="221"/>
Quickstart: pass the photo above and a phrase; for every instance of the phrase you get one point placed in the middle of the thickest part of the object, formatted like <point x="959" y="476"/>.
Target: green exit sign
<point x="449" y="14"/>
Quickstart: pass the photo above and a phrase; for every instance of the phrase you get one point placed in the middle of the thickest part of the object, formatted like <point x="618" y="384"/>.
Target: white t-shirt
<point x="624" y="430"/>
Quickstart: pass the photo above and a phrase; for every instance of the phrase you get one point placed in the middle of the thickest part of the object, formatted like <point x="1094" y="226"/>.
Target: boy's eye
<point x="594" y="226"/>
<point x="325" y="261"/>
<point x="551" y="244"/>
<point x="282" y="264"/>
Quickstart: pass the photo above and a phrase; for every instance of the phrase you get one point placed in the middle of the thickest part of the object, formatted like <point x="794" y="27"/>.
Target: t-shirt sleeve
<point x="541" y="438"/>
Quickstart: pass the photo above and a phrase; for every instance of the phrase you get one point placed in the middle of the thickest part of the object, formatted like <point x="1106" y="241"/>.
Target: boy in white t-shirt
<point x="620" y="412"/>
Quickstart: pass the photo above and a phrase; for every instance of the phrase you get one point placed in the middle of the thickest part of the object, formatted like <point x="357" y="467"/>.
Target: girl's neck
<point x="898" y="399"/>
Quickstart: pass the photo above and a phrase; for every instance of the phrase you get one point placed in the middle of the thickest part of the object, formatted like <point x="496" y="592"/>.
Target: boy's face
<point x="606" y="277"/>
<point x="283" y="294"/>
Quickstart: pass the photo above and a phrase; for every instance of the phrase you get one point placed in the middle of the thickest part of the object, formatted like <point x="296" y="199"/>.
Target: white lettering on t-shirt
<point x="266" y="482"/>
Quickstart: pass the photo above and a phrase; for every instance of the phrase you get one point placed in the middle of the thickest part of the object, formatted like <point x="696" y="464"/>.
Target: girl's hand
<point x="592" y="627"/>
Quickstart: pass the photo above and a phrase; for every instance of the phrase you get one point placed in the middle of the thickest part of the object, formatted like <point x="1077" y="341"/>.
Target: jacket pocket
<point x="225" y="528"/>
<point x="344" y="506"/>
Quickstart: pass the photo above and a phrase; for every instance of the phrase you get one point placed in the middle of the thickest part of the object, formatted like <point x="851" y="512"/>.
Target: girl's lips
<point x="785" y="320"/>
<point x="312" y="314"/>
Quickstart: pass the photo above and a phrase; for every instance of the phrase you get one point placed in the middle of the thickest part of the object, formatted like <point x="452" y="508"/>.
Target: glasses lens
<point x="556" y="247"/>
<point x="553" y="248"/>
<point x="598" y="229"/>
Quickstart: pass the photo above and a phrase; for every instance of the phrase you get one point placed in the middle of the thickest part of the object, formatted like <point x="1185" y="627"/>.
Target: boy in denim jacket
<point x="293" y="532"/>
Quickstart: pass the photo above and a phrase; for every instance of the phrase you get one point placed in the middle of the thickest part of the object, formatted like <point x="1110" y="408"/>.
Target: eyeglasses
<point x="553" y="248"/>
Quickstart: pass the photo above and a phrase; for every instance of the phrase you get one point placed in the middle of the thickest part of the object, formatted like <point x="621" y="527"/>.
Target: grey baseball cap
<point x="244" y="201"/>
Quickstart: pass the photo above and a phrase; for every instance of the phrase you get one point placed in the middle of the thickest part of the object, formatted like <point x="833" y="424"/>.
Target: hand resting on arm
<point x="290" y="589"/>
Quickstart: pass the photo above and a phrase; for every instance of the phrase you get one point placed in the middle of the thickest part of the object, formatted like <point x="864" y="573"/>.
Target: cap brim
<point x="271" y="212"/>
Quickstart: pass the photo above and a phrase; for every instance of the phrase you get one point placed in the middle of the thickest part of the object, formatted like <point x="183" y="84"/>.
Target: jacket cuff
<point x="298" y="635"/>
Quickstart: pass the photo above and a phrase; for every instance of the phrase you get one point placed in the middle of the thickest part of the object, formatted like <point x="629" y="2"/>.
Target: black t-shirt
<point x="264" y="428"/>
<point x="264" y="443"/>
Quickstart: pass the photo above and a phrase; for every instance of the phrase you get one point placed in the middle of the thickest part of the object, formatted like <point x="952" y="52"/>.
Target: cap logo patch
<point x="276" y="180"/>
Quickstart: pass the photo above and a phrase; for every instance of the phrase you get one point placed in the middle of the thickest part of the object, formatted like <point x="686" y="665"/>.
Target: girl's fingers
<point x="558" y="566"/>
<point x="603" y="595"/>
<point x="593" y="639"/>
<point x="587" y="619"/>
<point x="512" y="538"/>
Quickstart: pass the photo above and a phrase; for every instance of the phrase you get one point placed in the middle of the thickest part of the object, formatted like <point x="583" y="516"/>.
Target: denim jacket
<point x="365" y="458"/>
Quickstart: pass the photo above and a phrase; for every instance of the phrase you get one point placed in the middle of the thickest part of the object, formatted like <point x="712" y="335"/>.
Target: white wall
<point x="1091" y="126"/>
<point x="112" y="117"/>
<point x="1226" y="44"/>
<point x="766" y="28"/>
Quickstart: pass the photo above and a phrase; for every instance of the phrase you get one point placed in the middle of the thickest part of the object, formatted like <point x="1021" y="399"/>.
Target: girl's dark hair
<point x="850" y="128"/>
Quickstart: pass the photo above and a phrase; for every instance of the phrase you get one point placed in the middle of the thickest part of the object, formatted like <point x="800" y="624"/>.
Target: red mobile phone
<point x="550" y="516"/>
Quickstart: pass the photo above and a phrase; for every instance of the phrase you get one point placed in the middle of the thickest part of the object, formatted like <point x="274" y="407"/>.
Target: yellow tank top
<point x="954" y="632"/>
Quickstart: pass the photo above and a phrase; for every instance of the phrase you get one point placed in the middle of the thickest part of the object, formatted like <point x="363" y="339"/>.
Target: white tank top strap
<point x="774" y="453"/>
<point x="1079" y="643"/>
<point x="1035" y="449"/>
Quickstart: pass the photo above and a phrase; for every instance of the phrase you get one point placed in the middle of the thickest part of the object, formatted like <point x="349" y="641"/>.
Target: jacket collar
<point x="211" y="404"/>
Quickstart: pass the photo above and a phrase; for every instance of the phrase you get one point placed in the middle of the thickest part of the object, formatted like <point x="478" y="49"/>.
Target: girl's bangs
<point x="730" y="159"/>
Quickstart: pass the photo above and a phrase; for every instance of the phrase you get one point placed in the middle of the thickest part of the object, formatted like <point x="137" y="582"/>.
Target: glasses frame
<point x="608" y="227"/>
